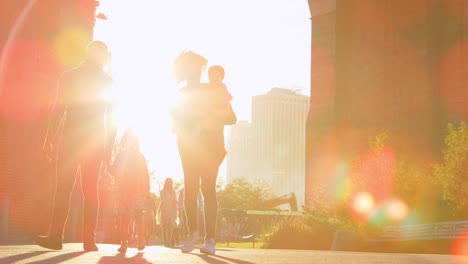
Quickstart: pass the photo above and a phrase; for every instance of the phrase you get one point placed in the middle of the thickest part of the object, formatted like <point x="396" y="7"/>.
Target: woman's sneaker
<point x="189" y="243"/>
<point x="209" y="247"/>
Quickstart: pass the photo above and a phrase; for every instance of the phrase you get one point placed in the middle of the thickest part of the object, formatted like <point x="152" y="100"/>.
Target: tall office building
<point x="278" y="131"/>
<point x="240" y="158"/>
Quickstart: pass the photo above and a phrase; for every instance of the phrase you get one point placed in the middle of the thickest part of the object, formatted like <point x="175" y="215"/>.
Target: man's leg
<point x="140" y="229"/>
<point x="123" y="228"/>
<point x="90" y="170"/>
<point x="67" y="165"/>
<point x="123" y="231"/>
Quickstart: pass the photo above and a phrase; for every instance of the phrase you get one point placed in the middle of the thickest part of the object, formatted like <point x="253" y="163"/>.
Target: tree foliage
<point x="411" y="183"/>
<point x="242" y="194"/>
<point x="452" y="173"/>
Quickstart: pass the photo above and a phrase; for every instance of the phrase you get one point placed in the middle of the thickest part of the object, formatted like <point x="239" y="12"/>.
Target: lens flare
<point x="397" y="210"/>
<point x="341" y="184"/>
<point x="460" y="245"/>
<point x="374" y="173"/>
<point x="71" y="39"/>
<point x="363" y="203"/>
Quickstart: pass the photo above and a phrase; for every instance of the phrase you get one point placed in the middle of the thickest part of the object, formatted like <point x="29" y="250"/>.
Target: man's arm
<point x="57" y="117"/>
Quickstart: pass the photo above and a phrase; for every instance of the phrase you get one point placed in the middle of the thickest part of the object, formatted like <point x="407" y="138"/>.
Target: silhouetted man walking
<point x="82" y="114"/>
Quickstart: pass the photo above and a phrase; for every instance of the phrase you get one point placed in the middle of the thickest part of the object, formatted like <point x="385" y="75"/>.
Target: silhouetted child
<point x="219" y="99"/>
<point x="133" y="184"/>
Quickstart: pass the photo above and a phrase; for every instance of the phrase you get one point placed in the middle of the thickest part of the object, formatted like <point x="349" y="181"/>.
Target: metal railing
<point x="429" y="231"/>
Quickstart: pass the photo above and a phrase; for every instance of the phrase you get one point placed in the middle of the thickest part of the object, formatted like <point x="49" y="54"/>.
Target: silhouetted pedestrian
<point x="82" y="115"/>
<point x="149" y="217"/>
<point x="132" y="180"/>
<point x="182" y="226"/>
<point x="201" y="153"/>
<point x="167" y="212"/>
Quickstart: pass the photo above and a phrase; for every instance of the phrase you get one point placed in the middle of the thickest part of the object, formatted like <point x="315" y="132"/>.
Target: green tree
<point x="452" y="173"/>
<point x="242" y="194"/>
<point x="414" y="186"/>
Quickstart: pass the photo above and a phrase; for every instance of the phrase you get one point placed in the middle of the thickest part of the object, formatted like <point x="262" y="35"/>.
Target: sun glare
<point x="145" y="42"/>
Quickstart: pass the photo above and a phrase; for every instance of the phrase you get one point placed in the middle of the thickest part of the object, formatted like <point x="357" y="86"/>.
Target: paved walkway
<point x="72" y="253"/>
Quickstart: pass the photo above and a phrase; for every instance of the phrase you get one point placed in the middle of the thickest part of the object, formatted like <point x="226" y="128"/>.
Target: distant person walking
<point x="167" y="212"/>
<point x="132" y="180"/>
<point x="182" y="228"/>
<point x="81" y="120"/>
<point x="200" y="150"/>
<point x="149" y="217"/>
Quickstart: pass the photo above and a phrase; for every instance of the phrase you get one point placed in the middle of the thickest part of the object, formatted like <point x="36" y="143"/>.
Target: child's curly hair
<point x="188" y="63"/>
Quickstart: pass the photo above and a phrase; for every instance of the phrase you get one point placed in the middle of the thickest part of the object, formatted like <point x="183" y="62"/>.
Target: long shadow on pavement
<point x="224" y="249"/>
<point x="222" y="260"/>
<point x="120" y="258"/>
<point x="59" y="258"/>
<point x="15" y="258"/>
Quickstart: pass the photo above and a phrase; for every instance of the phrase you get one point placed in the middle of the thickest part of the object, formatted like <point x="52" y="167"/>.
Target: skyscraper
<point x="277" y="142"/>
<point x="240" y="158"/>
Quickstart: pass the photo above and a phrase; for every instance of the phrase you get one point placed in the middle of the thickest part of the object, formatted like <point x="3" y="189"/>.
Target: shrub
<point x="242" y="194"/>
<point x="296" y="233"/>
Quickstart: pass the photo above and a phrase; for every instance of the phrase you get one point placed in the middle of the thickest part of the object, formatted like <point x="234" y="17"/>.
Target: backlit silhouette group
<point x="81" y="136"/>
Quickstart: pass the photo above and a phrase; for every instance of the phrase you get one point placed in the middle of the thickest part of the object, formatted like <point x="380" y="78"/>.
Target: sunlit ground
<point x="133" y="251"/>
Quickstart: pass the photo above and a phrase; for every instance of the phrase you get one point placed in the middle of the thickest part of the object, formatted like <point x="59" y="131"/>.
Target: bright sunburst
<point x="146" y="36"/>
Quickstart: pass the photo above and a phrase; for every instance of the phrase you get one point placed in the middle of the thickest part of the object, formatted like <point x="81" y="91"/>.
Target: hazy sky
<point x="260" y="43"/>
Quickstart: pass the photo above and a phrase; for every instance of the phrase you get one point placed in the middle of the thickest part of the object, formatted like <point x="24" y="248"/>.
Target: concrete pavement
<point x="72" y="253"/>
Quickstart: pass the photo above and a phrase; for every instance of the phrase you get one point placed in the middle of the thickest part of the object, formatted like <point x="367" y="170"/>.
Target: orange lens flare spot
<point x="70" y="40"/>
<point x="374" y="173"/>
<point x="460" y="245"/>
